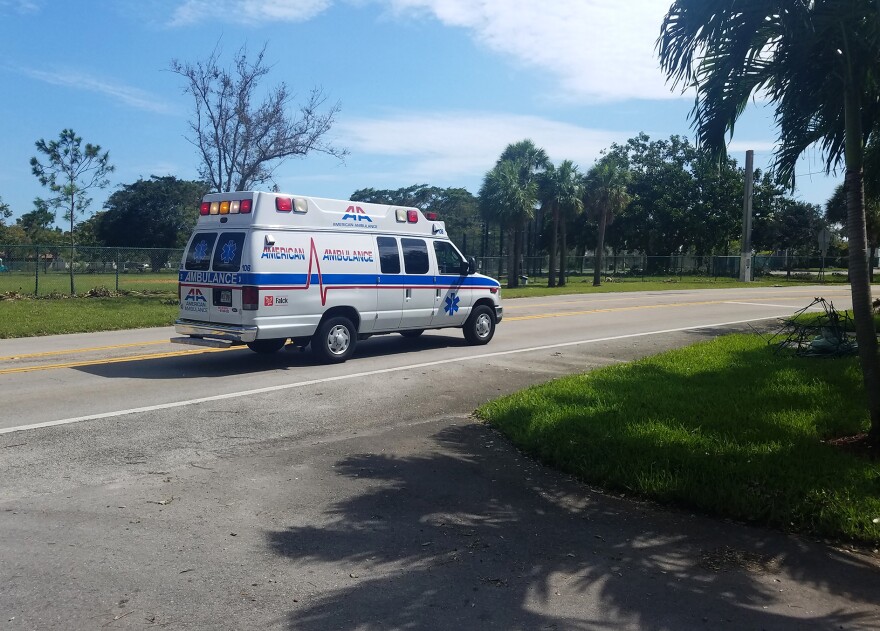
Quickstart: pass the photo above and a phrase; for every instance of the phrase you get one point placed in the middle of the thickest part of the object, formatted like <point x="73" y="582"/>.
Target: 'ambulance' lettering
<point x="348" y="256"/>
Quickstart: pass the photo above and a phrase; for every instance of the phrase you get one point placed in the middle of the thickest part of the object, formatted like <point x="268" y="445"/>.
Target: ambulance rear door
<point x="226" y="279"/>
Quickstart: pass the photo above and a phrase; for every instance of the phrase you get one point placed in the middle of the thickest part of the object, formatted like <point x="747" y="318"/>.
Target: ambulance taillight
<point x="250" y="298"/>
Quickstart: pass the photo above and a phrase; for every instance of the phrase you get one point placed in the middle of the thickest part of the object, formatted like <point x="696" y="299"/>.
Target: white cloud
<point x="20" y="6"/>
<point x="598" y="50"/>
<point x="444" y="145"/>
<point x="248" y="11"/>
<point x="128" y="95"/>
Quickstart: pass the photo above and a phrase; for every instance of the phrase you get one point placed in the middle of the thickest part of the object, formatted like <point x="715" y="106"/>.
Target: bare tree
<point x="242" y="142"/>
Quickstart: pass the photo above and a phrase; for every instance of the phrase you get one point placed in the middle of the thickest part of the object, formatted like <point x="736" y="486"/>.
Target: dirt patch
<point x="857" y="445"/>
<point x="727" y="558"/>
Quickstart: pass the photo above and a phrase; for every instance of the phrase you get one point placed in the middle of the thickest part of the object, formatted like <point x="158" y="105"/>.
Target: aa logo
<point x="356" y="213"/>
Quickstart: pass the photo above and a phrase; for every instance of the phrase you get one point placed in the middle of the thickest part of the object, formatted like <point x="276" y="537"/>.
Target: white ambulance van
<point x="263" y="269"/>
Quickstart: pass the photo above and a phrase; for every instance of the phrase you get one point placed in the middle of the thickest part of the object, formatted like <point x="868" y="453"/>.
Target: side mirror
<point x="471" y="265"/>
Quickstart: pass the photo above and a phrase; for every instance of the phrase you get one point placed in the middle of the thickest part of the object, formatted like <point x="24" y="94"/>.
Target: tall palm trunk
<point x="512" y="277"/>
<point x="563" y="251"/>
<point x="600" y="247"/>
<point x="866" y="334"/>
<point x="554" y="235"/>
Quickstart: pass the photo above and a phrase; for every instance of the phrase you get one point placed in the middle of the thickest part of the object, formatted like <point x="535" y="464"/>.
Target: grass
<point x="727" y="427"/>
<point x="582" y="285"/>
<point x="52" y="316"/>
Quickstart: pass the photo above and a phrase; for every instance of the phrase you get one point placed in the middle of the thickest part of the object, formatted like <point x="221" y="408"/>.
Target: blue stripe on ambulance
<point x="208" y="278"/>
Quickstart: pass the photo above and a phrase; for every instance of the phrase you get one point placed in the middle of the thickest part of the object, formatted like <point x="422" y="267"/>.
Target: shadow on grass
<point x="471" y="535"/>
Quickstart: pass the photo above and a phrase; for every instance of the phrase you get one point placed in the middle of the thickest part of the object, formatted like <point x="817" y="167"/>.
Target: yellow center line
<point x="564" y="314"/>
<point x="81" y="350"/>
<point x="116" y="360"/>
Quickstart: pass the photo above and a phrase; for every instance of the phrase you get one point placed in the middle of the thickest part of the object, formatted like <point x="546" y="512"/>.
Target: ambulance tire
<point x="334" y="341"/>
<point x="412" y="333"/>
<point x="480" y="325"/>
<point x="267" y="347"/>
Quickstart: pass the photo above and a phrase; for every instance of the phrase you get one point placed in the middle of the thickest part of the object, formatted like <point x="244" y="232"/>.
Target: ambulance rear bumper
<point x="207" y="330"/>
<point x="499" y="312"/>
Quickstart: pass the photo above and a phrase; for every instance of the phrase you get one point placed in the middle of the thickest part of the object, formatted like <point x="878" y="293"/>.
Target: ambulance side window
<point x="415" y="256"/>
<point x="198" y="257"/>
<point x="227" y="256"/>
<point x="389" y="255"/>
<point x="448" y="259"/>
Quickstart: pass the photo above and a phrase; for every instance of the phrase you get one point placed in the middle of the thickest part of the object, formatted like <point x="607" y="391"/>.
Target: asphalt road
<point x="146" y="484"/>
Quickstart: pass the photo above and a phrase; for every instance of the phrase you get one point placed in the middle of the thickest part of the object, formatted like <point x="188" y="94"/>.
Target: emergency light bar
<point x="406" y="216"/>
<point x="229" y="207"/>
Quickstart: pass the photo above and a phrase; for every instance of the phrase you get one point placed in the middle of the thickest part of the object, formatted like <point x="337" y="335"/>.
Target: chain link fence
<point x="648" y="268"/>
<point x="40" y="270"/>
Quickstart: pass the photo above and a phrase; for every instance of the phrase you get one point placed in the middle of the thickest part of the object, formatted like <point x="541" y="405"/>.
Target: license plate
<point x="222" y="297"/>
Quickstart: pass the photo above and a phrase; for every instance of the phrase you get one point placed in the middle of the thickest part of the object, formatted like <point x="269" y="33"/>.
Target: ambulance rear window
<point x="198" y="257"/>
<point x="227" y="256"/>
<point x="415" y="256"/>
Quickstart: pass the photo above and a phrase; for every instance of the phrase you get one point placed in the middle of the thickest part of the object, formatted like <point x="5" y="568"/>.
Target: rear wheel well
<point x="344" y="312"/>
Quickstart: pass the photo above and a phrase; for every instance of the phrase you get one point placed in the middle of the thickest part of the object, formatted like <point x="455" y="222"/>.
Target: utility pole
<point x="745" y="263"/>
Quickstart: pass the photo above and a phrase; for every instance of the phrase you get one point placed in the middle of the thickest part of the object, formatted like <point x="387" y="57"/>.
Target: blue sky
<point x="431" y="90"/>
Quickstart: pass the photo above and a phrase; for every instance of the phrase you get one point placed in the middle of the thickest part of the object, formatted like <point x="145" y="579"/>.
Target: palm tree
<point x="835" y="212"/>
<point x="560" y="192"/>
<point x="605" y="194"/>
<point x="505" y="199"/>
<point x="513" y="187"/>
<point x="818" y="62"/>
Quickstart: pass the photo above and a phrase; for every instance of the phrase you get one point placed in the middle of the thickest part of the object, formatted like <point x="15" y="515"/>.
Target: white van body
<point x="264" y="268"/>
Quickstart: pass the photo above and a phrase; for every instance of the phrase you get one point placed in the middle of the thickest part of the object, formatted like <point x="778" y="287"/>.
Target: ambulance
<point x="272" y="269"/>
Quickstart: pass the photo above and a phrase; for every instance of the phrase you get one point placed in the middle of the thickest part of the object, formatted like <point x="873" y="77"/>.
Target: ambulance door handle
<point x="408" y="293"/>
<point x="438" y="294"/>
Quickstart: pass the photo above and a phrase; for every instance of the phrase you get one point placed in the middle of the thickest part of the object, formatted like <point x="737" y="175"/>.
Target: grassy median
<point x="728" y="427"/>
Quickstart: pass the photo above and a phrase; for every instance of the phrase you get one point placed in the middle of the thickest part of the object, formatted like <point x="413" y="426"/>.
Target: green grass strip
<point x="584" y="285"/>
<point x="53" y="316"/>
<point x="727" y="427"/>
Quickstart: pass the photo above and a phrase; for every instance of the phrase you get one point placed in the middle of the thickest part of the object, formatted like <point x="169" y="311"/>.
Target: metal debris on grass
<point x="826" y="335"/>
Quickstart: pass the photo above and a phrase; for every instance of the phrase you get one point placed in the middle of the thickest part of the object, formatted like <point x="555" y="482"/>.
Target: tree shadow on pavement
<point x="470" y="534"/>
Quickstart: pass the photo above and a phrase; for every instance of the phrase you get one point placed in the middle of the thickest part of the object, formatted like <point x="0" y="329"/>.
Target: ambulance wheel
<point x="267" y="347"/>
<point x="480" y="325"/>
<point x="412" y="333"/>
<point x="334" y="341"/>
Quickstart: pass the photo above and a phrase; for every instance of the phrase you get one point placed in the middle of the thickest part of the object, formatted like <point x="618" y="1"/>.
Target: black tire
<point x="412" y="333"/>
<point x="267" y="347"/>
<point x="480" y="326"/>
<point x="334" y="341"/>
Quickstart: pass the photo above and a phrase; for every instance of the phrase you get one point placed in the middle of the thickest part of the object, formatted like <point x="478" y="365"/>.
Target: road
<point x="147" y="484"/>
